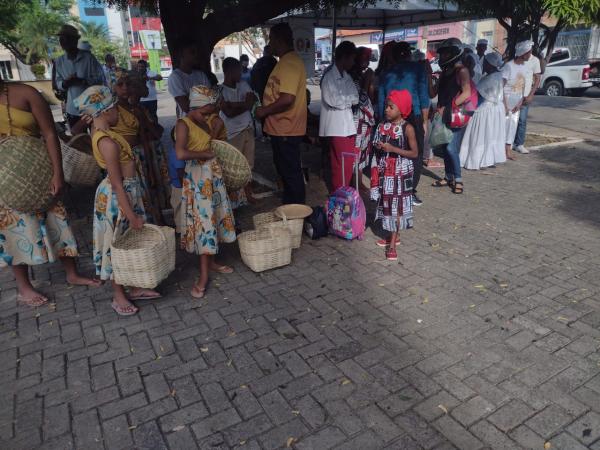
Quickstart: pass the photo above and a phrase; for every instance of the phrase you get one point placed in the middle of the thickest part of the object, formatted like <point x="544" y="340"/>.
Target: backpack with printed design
<point x="346" y="212"/>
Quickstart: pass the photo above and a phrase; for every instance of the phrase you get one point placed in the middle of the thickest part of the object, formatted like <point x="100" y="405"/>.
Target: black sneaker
<point x="416" y="200"/>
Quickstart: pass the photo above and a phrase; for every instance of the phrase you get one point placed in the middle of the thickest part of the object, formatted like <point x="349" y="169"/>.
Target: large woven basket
<point x="236" y="170"/>
<point x="272" y="221"/>
<point x="266" y="248"/>
<point x="293" y="211"/>
<point x="25" y="174"/>
<point x="143" y="258"/>
<point x="79" y="166"/>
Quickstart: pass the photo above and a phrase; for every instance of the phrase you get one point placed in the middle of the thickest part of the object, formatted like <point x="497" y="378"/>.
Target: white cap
<point x="482" y="42"/>
<point x="523" y="47"/>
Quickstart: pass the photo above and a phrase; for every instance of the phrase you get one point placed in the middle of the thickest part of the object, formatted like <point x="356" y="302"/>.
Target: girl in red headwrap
<point x="392" y="170"/>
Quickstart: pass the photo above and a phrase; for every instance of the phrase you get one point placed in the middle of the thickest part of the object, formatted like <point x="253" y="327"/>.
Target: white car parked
<point x="565" y="75"/>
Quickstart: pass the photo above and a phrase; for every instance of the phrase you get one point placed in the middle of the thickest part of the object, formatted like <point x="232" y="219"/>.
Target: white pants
<point x="512" y="123"/>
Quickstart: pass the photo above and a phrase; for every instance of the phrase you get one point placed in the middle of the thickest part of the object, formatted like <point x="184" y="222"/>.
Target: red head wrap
<point x="403" y="101"/>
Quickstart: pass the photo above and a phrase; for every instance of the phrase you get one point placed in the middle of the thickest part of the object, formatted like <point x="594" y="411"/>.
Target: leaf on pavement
<point x="179" y="428"/>
<point x="443" y="408"/>
<point x="290" y="441"/>
<point x="346" y="381"/>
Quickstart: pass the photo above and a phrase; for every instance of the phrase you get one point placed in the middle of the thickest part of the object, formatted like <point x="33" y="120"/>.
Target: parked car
<point x="165" y="72"/>
<point x="566" y="75"/>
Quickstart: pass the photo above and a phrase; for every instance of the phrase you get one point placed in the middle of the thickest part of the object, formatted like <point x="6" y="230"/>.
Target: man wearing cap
<point x="75" y="71"/>
<point x="514" y="73"/>
<point x="532" y="83"/>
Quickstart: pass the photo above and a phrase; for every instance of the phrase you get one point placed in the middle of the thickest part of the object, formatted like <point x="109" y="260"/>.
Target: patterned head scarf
<point x="94" y="101"/>
<point x="201" y="96"/>
<point x="403" y="101"/>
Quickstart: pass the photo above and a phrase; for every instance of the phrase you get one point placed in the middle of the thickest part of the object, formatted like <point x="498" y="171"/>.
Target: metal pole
<point x="334" y="31"/>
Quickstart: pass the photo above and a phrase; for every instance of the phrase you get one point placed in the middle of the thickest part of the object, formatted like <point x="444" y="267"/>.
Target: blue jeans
<point x="452" y="157"/>
<point x="522" y="127"/>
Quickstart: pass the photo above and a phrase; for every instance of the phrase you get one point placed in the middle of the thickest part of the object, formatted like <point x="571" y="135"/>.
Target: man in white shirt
<point x="237" y="100"/>
<point x="184" y="78"/>
<point x="74" y="71"/>
<point x="532" y="83"/>
<point x="150" y="103"/>
<point x="338" y="95"/>
<point x="514" y="74"/>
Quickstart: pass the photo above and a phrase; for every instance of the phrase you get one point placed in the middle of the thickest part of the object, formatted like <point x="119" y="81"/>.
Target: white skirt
<point x="483" y="143"/>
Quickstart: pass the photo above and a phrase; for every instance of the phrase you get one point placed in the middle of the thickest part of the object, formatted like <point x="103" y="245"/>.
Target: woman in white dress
<point x="483" y="144"/>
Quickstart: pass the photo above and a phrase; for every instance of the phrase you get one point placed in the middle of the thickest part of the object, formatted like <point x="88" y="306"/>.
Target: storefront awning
<point x="382" y="15"/>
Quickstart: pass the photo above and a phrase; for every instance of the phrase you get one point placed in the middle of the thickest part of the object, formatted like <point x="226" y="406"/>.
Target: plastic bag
<point x="440" y="134"/>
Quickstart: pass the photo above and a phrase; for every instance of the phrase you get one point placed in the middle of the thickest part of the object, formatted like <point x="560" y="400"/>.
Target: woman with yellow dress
<point x="118" y="204"/>
<point x="128" y="126"/>
<point x="207" y="218"/>
<point x="33" y="239"/>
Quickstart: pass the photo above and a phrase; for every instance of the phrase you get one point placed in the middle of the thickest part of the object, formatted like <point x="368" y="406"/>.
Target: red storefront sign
<point x="445" y="31"/>
<point x="145" y="23"/>
<point x="138" y="51"/>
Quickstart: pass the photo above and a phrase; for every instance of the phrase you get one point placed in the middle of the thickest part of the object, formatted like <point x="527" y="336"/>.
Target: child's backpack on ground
<point x="346" y="212"/>
<point x="315" y="225"/>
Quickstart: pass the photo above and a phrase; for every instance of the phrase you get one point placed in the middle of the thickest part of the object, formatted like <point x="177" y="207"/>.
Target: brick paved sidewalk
<point x="484" y="335"/>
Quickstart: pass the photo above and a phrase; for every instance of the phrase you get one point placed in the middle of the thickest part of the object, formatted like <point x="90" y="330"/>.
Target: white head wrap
<point x="523" y="47"/>
<point x="201" y="96"/>
<point x="494" y="59"/>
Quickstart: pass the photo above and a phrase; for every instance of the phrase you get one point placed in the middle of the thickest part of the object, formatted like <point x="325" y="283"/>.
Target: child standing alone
<point x="207" y="218"/>
<point x="395" y="145"/>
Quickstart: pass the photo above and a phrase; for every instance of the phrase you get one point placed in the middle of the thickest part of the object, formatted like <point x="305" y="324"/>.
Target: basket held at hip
<point x="25" y="174"/>
<point x="236" y="170"/>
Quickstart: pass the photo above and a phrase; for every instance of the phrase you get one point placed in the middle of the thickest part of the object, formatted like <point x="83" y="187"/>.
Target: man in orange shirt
<point x="284" y="108"/>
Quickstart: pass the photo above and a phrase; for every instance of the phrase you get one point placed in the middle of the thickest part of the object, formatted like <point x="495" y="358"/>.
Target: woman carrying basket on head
<point x="207" y="218"/>
<point x="33" y="239"/>
<point x="118" y="204"/>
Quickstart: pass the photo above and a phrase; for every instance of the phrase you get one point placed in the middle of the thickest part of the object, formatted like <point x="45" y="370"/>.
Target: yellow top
<point x="288" y="77"/>
<point x="198" y="138"/>
<point x="23" y="122"/>
<point x="125" y="155"/>
<point x="128" y="124"/>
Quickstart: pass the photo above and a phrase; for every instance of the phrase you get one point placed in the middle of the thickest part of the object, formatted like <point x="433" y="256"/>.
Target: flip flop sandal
<point x="146" y="296"/>
<point x="129" y="310"/>
<point x="34" y="302"/>
<point x="441" y="183"/>
<point x="458" y="188"/>
<point x="201" y="291"/>
<point x="223" y="269"/>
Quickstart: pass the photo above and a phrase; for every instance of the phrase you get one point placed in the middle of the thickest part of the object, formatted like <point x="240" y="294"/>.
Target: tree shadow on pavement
<point x="578" y="169"/>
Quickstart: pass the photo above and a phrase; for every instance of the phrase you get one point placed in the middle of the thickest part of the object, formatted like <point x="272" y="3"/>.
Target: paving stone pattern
<point x="485" y="334"/>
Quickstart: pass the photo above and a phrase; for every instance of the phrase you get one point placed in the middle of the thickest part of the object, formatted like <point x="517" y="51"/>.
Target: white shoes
<point x="521" y="149"/>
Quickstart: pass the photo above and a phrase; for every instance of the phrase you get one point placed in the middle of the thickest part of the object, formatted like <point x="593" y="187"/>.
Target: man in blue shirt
<point x="409" y="75"/>
<point x="75" y="71"/>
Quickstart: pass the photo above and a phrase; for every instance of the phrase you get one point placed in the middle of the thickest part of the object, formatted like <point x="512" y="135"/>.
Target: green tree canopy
<point x="522" y="19"/>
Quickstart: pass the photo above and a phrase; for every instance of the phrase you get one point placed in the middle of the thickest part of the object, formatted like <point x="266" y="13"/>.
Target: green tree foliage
<point x="522" y="19"/>
<point x="29" y="27"/>
<point x="103" y="43"/>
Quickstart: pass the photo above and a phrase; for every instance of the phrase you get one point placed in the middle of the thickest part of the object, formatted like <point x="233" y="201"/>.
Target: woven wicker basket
<point x="25" y="174"/>
<point x="266" y="248"/>
<point x="273" y="221"/>
<point x="80" y="167"/>
<point x="143" y="258"/>
<point x="293" y="211"/>
<point x="236" y="170"/>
